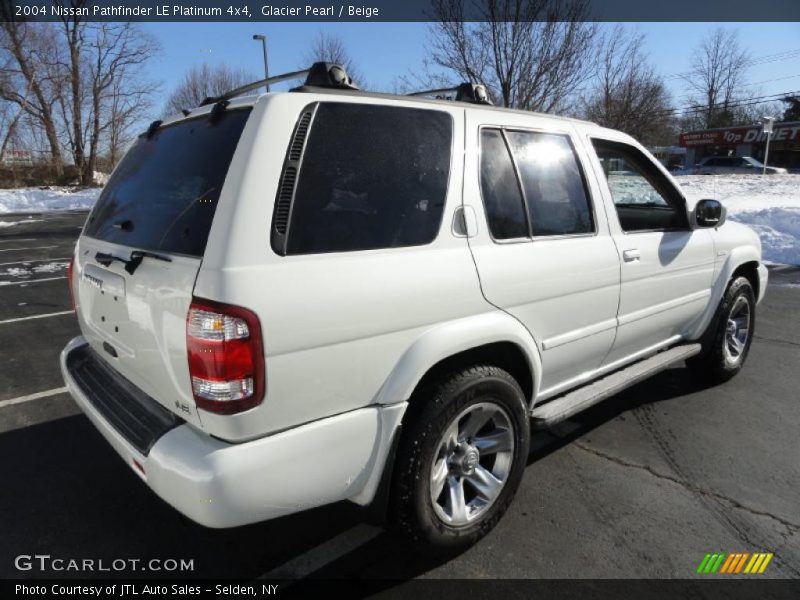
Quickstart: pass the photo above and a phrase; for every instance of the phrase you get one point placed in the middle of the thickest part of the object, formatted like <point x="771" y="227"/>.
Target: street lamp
<point x="263" y="40"/>
<point x="767" y="128"/>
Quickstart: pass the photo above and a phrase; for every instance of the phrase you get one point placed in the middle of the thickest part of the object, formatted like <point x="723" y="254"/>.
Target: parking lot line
<point x="44" y="316"/>
<point x="327" y="552"/>
<point x="34" y="248"/>
<point x="17" y="262"/>
<point x="31" y="280"/>
<point x="29" y="397"/>
<point x="17" y="240"/>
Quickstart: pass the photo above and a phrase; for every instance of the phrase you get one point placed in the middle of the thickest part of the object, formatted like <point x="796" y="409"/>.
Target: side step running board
<point x="563" y="407"/>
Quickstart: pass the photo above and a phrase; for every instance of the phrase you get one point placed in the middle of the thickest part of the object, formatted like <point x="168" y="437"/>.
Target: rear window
<point x="371" y="177"/>
<point x="163" y="195"/>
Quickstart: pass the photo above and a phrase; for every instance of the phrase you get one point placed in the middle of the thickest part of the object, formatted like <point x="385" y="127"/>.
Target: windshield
<point x="753" y="161"/>
<point x="164" y="193"/>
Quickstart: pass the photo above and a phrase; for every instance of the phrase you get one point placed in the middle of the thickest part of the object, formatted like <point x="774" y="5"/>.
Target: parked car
<point x="740" y="165"/>
<point x="297" y="298"/>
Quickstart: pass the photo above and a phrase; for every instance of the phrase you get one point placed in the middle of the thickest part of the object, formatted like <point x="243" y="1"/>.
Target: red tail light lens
<point x="70" y="283"/>
<point x="226" y="358"/>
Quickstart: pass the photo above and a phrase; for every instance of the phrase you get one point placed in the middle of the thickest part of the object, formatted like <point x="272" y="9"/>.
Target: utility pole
<point x="263" y="40"/>
<point x="767" y="128"/>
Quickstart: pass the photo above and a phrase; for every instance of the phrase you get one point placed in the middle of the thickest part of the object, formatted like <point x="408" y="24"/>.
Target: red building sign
<point x="733" y="136"/>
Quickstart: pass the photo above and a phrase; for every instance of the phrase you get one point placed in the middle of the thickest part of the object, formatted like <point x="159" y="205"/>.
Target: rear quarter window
<point x="163" y="195"/>
<point x="371" y="177"/>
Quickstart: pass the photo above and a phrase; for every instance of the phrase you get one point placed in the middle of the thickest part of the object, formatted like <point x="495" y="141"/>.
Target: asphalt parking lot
<point x="642" y="486"/>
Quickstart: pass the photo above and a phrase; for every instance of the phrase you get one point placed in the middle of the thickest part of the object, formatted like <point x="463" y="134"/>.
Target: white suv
<point x="297" y="298"/>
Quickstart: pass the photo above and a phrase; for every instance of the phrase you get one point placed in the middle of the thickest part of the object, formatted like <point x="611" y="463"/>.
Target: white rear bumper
<point x="219" y="484"/>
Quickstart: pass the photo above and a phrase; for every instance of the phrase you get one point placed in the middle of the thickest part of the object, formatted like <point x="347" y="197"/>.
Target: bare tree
<point x="328" y="47"/>
<point x="127" y="107"/>
<point x="627" y="94"/>
<point x="203" y="81"/>
<point x="530" y="54"/>
<point x="718" y="76"/>
<point x="72" y="104"/>
<point x="116" y="54"/>
<point x="27" y="79"/>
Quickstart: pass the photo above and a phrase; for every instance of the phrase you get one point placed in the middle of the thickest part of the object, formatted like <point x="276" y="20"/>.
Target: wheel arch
<point x="743" y="260"/>
<point x="491" y="338"/>
<point x="749" y="270"/>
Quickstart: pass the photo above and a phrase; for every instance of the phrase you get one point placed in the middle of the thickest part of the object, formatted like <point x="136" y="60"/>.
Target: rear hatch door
<point x="141" y="249"/>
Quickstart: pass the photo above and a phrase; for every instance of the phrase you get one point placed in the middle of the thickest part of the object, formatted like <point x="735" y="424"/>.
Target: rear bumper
<point x="219" y="484"/>
<point x="763" y="279"/>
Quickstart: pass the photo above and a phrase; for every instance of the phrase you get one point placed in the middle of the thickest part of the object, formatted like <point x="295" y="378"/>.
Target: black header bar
<point x="384" y="10"/>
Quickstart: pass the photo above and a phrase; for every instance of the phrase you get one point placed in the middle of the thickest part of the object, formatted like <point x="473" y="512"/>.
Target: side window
<point x="644" y="198"/>
<point x="371" y="177"/>
<point x="555" y="190"/>
<point x="500" y="188"/>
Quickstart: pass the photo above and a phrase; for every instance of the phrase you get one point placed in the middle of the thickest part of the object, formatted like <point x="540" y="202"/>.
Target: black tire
<point x="716" y="363"/>
<point x="477" y="391"/>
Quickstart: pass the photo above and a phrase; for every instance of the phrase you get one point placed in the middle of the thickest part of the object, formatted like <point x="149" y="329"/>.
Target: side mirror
<point x="709" y="213"/>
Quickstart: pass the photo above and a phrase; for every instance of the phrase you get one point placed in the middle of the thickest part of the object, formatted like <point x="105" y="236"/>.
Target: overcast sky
<point x="384" y="51"/>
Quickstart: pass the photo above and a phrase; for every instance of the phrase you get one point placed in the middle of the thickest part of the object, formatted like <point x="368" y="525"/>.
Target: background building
<point x="784" y="147"/>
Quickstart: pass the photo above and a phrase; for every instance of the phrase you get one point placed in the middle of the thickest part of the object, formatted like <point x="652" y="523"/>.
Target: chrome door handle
<point x="631" y="255"/>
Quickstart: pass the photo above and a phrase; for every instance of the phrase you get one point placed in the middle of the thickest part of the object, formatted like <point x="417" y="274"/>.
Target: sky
<point x="385" y="51"/>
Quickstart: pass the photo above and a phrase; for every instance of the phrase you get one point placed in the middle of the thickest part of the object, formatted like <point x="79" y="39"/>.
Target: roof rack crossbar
<point x="320" y="74"/>
<point x="437" y="91"/>
<point x="249" y="87"/>
<point x="474" y="93"/>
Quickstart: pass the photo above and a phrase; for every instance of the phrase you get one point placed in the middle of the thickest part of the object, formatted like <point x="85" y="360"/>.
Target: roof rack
<point x="320" y="74"/>
<point x="465" y="92"/>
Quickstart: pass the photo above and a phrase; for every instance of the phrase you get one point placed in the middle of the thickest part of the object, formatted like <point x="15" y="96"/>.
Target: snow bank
<point x="22" y="222"/>
<point x="44" y="199"/>
<point x="769" y="204"/>
<point x="27" y="270"/>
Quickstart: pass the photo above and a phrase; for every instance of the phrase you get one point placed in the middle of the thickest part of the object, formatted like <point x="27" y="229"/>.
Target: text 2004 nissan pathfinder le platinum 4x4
<point x="297" y="298"/>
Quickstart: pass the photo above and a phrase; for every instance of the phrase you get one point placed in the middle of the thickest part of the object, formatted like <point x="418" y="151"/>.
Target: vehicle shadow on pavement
<point x="68" y="495"/>
<point x="71" y="497"/>
<point x="669" y="384"/>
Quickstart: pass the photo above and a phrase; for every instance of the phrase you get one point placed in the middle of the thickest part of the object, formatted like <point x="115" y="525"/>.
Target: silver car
<point x="740" y="165"/>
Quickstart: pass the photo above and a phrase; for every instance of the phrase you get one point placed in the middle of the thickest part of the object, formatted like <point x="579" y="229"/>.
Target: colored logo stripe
<point x="735" y="563"/>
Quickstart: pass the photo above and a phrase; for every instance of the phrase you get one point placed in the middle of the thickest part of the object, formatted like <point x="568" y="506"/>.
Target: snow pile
<point x="27" y="270"/>
<point x="44" y="199"/>
<point x="769" y="204"/>
<point x="22" y="222"/>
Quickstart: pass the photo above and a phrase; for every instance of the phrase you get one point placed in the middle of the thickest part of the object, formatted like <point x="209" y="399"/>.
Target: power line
<point x="733" y="104"/>
<point x="762" y="60"/>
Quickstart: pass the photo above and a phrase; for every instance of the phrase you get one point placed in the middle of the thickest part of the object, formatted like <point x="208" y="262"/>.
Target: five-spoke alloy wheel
<point x="729" y="335"/>
<point x="461" y="457"/>
<point x="471" y="464"/>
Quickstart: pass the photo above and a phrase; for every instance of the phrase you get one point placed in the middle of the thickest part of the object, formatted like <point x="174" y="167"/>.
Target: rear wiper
<point x="106" y="259"/>
<point x="138" y="255"/>
<point x="133" y="262"/>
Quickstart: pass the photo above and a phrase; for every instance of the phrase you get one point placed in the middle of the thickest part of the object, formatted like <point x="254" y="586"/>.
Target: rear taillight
<point x="70" y="283"/>
<point x="226" y="358"/>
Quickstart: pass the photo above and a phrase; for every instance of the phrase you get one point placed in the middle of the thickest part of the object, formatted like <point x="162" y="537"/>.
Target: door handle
<point x="631" y="255"/>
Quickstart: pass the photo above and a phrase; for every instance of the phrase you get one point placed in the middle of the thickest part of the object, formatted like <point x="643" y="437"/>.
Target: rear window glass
<point x="555" y="191"/>
<point x="500" y="189"/>
<point x="371" y="177"/>
<point x="163" y="195"/>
